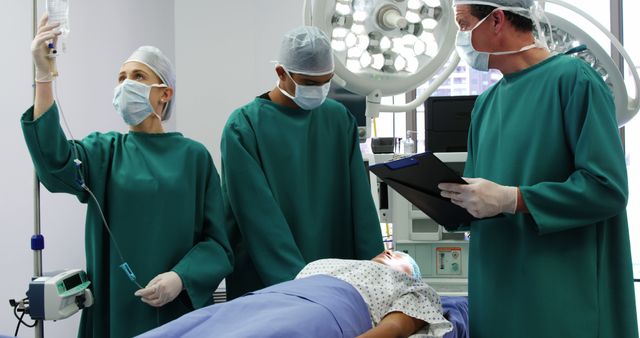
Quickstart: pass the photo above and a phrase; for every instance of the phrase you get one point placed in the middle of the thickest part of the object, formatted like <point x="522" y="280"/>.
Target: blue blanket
<point x="317" y="306"/>
<point x="456" y="310"/>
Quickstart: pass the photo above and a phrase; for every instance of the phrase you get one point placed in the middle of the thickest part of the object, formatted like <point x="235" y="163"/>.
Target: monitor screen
<point x="72" y="281"/>
<point x="447" y="120"/>
<point x="357" y="104"/>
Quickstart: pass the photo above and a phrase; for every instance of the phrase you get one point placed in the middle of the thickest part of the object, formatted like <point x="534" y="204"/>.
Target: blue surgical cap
<point x="306" y="50"/>
<point x="496" y="3"/>
<point x="153" y="58"/>
<point x="414" y="266"/>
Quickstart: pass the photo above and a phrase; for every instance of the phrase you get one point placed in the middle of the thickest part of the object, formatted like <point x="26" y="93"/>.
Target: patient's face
<point x="395" y="261"/>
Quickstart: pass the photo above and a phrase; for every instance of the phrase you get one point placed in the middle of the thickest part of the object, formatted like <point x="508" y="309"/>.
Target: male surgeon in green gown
<point x="158" y="191"/>
<point x="293" y="179"/>
<point x="543" y="151"/>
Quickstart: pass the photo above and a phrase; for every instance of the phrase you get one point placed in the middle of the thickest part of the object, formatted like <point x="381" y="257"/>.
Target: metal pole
<point x="37" y="241"/>
<point x="37" y="253"/>
<point x="37" y="245"/>
<point x="412" y="117"/>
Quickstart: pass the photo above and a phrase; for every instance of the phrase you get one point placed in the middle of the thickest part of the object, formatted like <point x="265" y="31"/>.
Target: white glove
<point x="481" y="198"/>
<point x="164" y="288"/>
<point x="40" y="49"/>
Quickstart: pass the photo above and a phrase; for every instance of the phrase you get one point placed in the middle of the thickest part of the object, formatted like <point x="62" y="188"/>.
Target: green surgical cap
<point x="497" y="3"/>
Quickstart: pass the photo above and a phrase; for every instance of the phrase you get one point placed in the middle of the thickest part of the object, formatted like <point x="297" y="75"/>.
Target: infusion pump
<point x="59" y="294"/>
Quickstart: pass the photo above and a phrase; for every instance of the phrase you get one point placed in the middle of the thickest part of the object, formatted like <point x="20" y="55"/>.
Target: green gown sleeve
<point x="368" y="235"/>
<point x="200" y="275"/>
<point x="262" y="224"/>
<point x="53" y="155"/>
<point x="591" y="130"/>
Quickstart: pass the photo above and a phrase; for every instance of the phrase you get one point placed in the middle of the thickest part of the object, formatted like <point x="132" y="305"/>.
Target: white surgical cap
<point x="497" y="3"/>
<point x="306" y="50"/>
<point x="153" y="58"/>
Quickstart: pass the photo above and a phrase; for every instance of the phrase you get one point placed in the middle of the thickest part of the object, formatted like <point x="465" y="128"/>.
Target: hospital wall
<point x="103" y="34"/>
<point x="224" y="51"/>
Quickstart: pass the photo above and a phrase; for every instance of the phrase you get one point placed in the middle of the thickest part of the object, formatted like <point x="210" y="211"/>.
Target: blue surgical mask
<point x="131" y="101"/>
<point x="480" y="60"/>
<point x="307" y="97"/>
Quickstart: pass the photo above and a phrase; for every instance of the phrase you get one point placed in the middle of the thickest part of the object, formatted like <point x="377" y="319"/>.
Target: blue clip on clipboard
<point x="416" y="178"/>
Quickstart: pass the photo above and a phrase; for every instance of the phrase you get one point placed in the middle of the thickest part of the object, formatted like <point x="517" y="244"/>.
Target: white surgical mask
<point x="307" y="97"/>
<point x="480" y="60"/>
<point x="131" y="101"/>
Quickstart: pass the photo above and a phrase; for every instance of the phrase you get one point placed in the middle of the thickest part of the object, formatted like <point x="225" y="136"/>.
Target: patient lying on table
<point x="328" y="298"/>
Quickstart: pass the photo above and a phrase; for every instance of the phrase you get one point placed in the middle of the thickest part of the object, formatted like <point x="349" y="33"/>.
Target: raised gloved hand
<point x="482" y="198"/>
<point x="164" y="288"/>
<point x="40" y="50"/>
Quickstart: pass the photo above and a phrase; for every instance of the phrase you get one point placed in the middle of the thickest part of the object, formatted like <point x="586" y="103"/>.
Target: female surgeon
<point x="153" y="198"/>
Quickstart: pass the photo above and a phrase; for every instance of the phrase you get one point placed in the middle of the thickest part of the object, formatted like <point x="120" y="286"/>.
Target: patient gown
<point x="295" y="190"/>
<point x="160" y="194"/>
<point x="564" y="270"/>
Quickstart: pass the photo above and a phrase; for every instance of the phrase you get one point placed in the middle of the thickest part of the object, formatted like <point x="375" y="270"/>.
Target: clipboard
<point x="416" y="178"/>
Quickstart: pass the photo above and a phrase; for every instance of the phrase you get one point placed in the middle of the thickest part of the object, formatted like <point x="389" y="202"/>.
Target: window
<point x="632" y="144"/>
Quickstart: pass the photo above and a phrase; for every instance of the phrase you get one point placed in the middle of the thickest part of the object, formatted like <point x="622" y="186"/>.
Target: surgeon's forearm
<point x="394" y="325"/>
<point x="43" y="99"/>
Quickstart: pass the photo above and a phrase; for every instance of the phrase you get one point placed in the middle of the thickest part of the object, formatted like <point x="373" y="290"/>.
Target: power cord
<point x="21" y="306"/>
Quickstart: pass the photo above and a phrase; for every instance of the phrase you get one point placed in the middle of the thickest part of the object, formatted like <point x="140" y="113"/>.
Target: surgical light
<point x="566" y="36"/>
<point x="350" y="40"/>
<point x="342" y="21"/>
<point x="365" y="60"/>
<point x="391" y="50"/>
<point x="429" y="24"/>
<point x="414" y="4"/>
<point x="413" y="17"/>
<point x="359" y="29"/>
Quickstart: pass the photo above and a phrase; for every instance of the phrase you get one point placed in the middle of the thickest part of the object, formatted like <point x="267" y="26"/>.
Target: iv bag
<point x="58" y="11"/>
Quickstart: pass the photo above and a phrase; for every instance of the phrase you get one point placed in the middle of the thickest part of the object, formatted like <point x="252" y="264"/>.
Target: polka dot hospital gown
<point x="385" y="290"/>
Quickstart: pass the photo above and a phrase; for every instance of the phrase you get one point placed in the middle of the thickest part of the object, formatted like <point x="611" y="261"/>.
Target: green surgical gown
<point x="160" y="194"/>
<point x="295" y="190"/>
<point x="564" y="270"/>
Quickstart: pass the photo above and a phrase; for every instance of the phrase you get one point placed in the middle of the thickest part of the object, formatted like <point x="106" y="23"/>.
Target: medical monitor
<point x="447" y="120"/>
<point x="356" y="104"/>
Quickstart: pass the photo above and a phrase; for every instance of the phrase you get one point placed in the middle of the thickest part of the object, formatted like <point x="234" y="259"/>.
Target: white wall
<point x="223" y="54"/>
<point x="103" y="34"/>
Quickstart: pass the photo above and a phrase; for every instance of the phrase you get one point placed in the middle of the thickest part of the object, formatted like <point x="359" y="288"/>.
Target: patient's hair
<point x="415" y="269"/>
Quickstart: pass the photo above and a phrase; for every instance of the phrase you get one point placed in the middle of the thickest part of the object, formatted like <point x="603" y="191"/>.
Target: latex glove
<point x="164" y="288"/>
<point x="482" y="198"/>
<point x="40" y="49"/>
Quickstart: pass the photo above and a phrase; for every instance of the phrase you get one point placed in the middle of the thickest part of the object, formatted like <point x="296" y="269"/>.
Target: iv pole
<point x="37" y="240"/>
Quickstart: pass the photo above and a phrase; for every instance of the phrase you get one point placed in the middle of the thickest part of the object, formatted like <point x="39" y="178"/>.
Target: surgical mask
<point x="307" y="97"/>
<point x="131" y="101"/>
<point x="480" y="60"/>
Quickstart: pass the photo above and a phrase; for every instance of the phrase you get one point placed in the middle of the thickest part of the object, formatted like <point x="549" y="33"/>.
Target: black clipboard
<point x="416" y="178"/>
